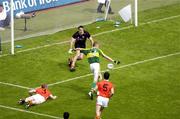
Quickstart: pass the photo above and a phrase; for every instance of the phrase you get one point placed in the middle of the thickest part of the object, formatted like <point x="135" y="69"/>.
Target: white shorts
<point x="35" y="99"/>
<point x="102" y="101"/>
<point x="95" y="69"/>
<point x="101" y="1"/>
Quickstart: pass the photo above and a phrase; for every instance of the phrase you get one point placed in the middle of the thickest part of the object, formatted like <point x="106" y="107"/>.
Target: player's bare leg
<point x="80" y="57"/>
<point x="74" y="60"/>
<point x="102" y="108"/>
<point x="100" y="76"/>
<point x="29" y="104"/>
<point x="98" y="112"/>
<point x="97" y="76"/>
<point x="70" y="60"/>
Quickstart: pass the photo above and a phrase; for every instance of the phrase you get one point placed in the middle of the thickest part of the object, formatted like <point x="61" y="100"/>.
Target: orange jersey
<point x="104" y="88"/>
<point x="43" y="92"/>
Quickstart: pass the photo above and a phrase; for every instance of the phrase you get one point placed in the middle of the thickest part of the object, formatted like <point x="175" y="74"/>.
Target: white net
<point x="49" y="16"/>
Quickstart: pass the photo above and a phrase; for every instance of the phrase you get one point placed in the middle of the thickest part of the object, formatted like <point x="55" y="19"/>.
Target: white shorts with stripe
<point x="35" y="99"/>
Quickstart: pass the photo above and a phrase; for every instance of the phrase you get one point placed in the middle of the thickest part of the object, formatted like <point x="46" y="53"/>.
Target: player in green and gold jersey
<point x="93" y="55"/>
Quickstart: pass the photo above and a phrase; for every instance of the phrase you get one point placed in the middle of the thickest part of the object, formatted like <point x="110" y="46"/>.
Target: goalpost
<point x="108" y="3"/>
<point x="136" y="12"/>
<point x="12" y="27"/>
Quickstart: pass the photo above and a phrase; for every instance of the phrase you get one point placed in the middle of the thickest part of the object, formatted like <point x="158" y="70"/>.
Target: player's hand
<point x="70" y="51"/>
<point x="117" y="62"/>
<point x="31" y="91"/>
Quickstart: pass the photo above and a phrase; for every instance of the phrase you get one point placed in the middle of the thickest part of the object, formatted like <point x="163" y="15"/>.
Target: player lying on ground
<point x="37" y="96"/>
<point x="105" y="91"/>
<point x="22" y="15"/>
<point x="78" y="42"/>
<point x="93" y="54"/>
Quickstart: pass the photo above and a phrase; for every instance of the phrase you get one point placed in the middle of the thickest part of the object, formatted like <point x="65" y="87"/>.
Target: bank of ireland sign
<point x="35" y="5"/>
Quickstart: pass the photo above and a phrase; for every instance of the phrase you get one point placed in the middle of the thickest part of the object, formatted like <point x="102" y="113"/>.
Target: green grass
<point x="145" y="91"/>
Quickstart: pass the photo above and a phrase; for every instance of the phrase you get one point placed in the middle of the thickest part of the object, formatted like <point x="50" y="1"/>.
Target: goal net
<point x="34" y="18"/>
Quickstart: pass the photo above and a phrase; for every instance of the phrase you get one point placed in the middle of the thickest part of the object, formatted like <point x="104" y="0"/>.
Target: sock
<point x="97" y="117"/>
<point x="93" y="85"/>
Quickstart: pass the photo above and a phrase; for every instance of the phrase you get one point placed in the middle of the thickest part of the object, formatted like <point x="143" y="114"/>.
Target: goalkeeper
<point x="93" y="54"/>
<point x="79" y="41"/>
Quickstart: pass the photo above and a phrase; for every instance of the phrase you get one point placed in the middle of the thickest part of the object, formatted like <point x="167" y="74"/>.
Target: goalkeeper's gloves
<point x="70" y="51"/>
<point x="116" y="62"/>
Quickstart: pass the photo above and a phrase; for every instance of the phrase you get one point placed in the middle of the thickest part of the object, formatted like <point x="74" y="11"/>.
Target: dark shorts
<point x="80" y="46"/>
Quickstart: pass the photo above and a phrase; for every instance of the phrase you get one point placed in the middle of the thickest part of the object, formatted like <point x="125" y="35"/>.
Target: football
<point x="110" y="66"/>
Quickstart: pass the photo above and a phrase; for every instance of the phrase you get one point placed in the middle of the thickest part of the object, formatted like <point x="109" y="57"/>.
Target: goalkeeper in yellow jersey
<point x="93" y="55"/>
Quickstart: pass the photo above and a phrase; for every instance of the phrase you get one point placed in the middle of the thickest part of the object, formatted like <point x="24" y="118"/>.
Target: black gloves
<point x="116" y="62"/>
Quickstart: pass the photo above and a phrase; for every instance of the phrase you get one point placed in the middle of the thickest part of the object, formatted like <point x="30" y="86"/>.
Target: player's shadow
<point x="63" y="65"/>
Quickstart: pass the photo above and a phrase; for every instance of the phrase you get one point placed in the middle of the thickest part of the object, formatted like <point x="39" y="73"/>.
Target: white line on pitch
<point x="75" y="78"/>
<point x="105" y="32"/>
<point x="14" y="85"/>
<point x="31" y="112"/>
<point x="141" y="24"/>
<point x="121" y="67"/>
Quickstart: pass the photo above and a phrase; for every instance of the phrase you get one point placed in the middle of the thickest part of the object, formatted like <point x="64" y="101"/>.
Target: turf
<point x="144" y="91"/>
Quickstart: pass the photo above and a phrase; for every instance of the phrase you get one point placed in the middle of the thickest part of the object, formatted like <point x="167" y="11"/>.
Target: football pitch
<point x="147" y="82"/>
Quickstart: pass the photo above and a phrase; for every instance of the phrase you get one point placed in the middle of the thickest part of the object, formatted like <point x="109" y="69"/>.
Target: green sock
<point x="93" y="85"/>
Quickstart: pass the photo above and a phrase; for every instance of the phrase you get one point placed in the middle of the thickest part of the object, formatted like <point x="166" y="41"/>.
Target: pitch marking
<point x="105" y="32"/>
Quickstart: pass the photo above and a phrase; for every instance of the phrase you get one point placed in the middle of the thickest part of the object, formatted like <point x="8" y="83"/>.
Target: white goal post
<point x="108" y="3"/>
<point x="12" y="28"/>
<point x="136" y="12"/>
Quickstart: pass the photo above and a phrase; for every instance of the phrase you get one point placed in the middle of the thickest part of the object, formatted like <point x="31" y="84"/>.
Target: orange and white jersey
<point x="43" y="92"/>
<point x="104" y="88"/>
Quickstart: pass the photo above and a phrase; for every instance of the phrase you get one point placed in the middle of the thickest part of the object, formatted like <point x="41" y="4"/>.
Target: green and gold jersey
<point x="93" y="54"/>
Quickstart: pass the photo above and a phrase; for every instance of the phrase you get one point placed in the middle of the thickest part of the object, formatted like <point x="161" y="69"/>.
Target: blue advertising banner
<point x="35" y="5"/>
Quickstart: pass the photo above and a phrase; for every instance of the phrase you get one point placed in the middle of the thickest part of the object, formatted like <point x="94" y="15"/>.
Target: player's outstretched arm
<point x="106" y="57"/>
<point x="32" y="91"/>
<point x="53" y="97"/>
<point x="110" y="59"/>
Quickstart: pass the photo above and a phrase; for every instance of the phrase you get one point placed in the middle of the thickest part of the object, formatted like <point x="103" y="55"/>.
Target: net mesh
<point x="52" y="20"/>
